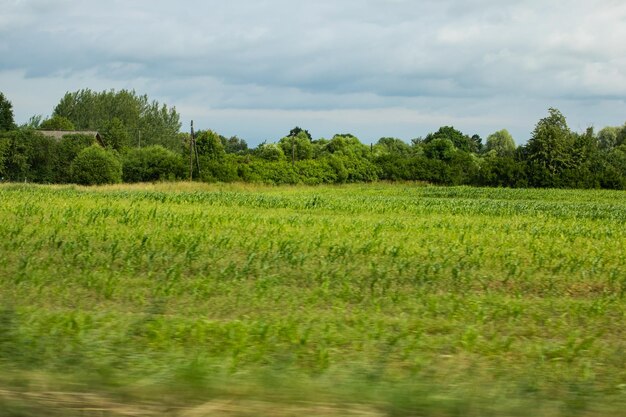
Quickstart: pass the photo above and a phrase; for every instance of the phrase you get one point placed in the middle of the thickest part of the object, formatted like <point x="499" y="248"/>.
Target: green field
<point x="377" y="300"/>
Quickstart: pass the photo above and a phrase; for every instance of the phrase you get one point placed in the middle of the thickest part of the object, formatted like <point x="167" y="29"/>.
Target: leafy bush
<point x="68" y="149"/>
<point x="95" y="165"/>
<point x="496" y="171"/>
<point x="29" y="156"/>
<point x="224" y="170"/>
<point x="152" y="163"/>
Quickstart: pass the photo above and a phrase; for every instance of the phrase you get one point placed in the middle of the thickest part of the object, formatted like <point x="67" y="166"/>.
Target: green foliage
<point x="210" y="145"/>
<point x="501" y="143"/>
<point x="7" y="121"/>
<point x="349" y="168"/>
<point x="234" y="145"/>
<point x="115" y="135"/>
<point x="34" y="122"/>
<point x="297" y="131"/>
<point x="29" y="156"/>
<point x="315" y="172"/>
<point x="613" y="169"/>
<point x="501" y="171"/>
<point x="607" y="137"/>
<point x="392" y="146"/>
<point x="223" y="170"/>
<point x="549" y="148"/>
<point x="152" y="163"/>
<point x="89" y="110"/>
<point x="68" y="148"/>
<point x="57" y="123"/>
<point x="272" y="172"/>
<point x="95" y="165"/>
<point x="298" y="146"/>
<point x="554" y="157"/>
<point x="270" y="152"/>
<point x="440" y="149"/>
<point x="347" y="145"/>
<point x="459" y="139"/>
<point x="42" y="155"/>
<point x="4" y="150"/>
<point x="393" y="167"/>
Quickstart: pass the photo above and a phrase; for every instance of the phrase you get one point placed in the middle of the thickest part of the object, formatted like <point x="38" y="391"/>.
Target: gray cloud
<point x="447" y="59"/>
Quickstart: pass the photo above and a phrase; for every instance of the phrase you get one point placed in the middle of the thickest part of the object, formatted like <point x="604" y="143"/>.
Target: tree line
<point x="140" y="140"/>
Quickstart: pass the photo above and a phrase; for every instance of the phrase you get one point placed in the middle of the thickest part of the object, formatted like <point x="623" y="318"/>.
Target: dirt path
<point x="89" y="404"/>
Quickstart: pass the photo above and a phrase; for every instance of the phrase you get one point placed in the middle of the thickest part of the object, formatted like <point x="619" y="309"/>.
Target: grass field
<point x="377" y="300"/>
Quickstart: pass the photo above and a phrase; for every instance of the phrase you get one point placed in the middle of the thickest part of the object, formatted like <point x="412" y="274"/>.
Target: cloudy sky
<point x="257" y="68"/>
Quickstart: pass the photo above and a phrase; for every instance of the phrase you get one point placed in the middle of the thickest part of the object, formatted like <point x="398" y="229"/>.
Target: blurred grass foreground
<point x="358" y="300"/>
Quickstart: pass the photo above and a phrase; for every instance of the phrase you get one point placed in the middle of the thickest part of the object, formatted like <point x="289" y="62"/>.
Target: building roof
<point x="58" y="134"/>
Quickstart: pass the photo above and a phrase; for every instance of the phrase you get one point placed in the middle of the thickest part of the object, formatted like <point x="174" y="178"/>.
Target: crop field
<point x="358" y="300"/>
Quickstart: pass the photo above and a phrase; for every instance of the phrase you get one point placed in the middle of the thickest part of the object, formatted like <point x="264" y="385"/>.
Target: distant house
<point x="58" y="134"/>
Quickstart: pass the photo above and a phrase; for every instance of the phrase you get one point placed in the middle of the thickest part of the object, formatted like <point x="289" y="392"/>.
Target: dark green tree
<point x="152" y="163"/>
<point x="67" y="149"/>
<point x="549" y="150"/>
<point x="270" y="152"/>
<point x="440" y="148"/>
<point x="209" y="145"/>
<point x="6" y="114"/>
<point x="116" y="136"/>
<point x="57" y="123"/>
<point x="234" y="145"/>
<point x="458" y="139"/>
<point x="297" y="130"/>
<point x="95" y="165"/>
<point x="89" y="110"/>
<point x="392" y="146"/>
<point x="297" y="147"/>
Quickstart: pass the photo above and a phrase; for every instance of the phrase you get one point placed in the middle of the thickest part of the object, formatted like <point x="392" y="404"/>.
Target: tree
<point x="392" y="146"/>
<point x="297" y="146"/>
<point x="270" y="152"/>
<point x="34" y="122"/>
<point x="501" y="143"/>
<point x="234" y="145"/>
<point x="6" y="114"/>
<point x="95" y="165"/>
<point x="68" y="148"/>
<point x="347" y="144"/>
<point x="89" y="110"/>
<point x="57" y="123"/>
<point x="152" y="163"/>
<point x="550" y="147"/>
<point x="607" y="137"/>
<point x="441" y="148"/>
<point x="297" y="130"/>
<point x="209" y="145"/>
<point x="115" y="135"/>
<point x="458" y="139"/>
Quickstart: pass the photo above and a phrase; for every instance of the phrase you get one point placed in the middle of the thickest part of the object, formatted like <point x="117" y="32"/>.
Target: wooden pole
<point x="191" y="151"/>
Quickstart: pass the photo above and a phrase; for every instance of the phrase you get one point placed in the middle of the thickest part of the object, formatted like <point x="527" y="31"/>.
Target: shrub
<point x="94" y="165"/>
<point x="68" y="149"/>
<point x="152" y="163"/>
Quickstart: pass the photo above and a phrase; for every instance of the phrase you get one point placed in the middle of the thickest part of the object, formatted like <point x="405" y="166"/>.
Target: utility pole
<point x="195" y="148"/>
<point x="140" y="139"/>
<point x="293" y="151"/>
<point x="191" y="152"/>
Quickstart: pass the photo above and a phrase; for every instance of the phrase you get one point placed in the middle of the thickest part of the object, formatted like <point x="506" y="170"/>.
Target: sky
<point x="373" y="68"/>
